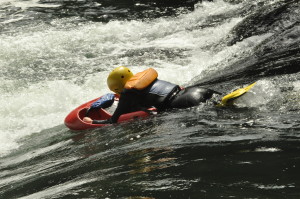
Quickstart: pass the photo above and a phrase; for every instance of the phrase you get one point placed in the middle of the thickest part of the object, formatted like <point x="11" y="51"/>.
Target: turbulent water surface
<point x="56" y="54"/>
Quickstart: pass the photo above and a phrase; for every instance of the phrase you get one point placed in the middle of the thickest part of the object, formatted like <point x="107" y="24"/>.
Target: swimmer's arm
<point x="123" y="107"/>
<point x="90" y="121"/>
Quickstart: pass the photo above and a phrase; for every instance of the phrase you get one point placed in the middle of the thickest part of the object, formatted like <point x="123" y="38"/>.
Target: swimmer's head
<point x="117" y="79"/>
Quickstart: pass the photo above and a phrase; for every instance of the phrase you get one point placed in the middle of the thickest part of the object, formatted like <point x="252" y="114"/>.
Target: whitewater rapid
<point x="50" y="68"/>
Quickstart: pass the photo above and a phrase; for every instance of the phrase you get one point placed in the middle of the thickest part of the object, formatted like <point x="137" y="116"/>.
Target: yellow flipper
<point x="228" y="99"/>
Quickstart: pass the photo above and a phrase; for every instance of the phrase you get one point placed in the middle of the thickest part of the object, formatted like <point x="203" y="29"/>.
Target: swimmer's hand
<point x="87" y="120"/>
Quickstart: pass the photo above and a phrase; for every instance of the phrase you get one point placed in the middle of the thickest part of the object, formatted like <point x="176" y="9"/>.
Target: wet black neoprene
<point x="161" y="95"/>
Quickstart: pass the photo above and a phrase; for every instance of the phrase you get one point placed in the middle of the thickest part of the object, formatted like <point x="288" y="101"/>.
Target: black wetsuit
<point x="159" y="94"/>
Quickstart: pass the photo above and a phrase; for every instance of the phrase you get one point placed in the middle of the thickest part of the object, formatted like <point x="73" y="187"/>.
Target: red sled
<point x="74" y="119"/>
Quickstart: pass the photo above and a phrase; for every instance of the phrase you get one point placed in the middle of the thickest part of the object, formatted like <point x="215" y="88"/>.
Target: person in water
<point x="143" y="90"/>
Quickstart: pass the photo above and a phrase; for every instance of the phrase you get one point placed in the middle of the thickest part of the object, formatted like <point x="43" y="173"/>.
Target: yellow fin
<point x="228" y="99"/>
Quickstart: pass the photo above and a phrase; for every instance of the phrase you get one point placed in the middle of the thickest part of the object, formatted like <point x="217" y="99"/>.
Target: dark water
<point x="55" y="55"/>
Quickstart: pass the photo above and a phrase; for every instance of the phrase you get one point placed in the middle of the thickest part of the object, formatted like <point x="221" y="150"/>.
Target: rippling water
<point x="55" y="55"/>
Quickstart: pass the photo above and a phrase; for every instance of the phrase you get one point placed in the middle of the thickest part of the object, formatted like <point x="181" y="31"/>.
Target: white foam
<point x="296" y="85"/>
<point x="41" y="106"/>
<point x="26" y="4"/>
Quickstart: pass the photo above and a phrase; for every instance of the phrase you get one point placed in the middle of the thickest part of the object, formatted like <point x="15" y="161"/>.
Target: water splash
<point x="260" y="95"/>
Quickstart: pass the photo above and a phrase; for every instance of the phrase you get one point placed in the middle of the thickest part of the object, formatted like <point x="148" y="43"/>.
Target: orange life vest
<point x="142" y="79"/>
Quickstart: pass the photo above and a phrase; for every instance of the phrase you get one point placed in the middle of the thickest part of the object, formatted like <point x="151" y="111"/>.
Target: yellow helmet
<point x="117" y="79"/>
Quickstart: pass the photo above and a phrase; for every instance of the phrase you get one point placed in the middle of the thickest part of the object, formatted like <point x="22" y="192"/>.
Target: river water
<point x="56" y="54"/>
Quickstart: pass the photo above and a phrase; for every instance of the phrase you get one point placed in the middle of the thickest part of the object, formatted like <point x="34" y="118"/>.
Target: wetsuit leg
<point x="191" y="96"/>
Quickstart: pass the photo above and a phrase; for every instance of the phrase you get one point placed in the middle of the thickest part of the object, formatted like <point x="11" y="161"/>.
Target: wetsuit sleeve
<point x="126" y="103"/>
<point x="104" y="102"/>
